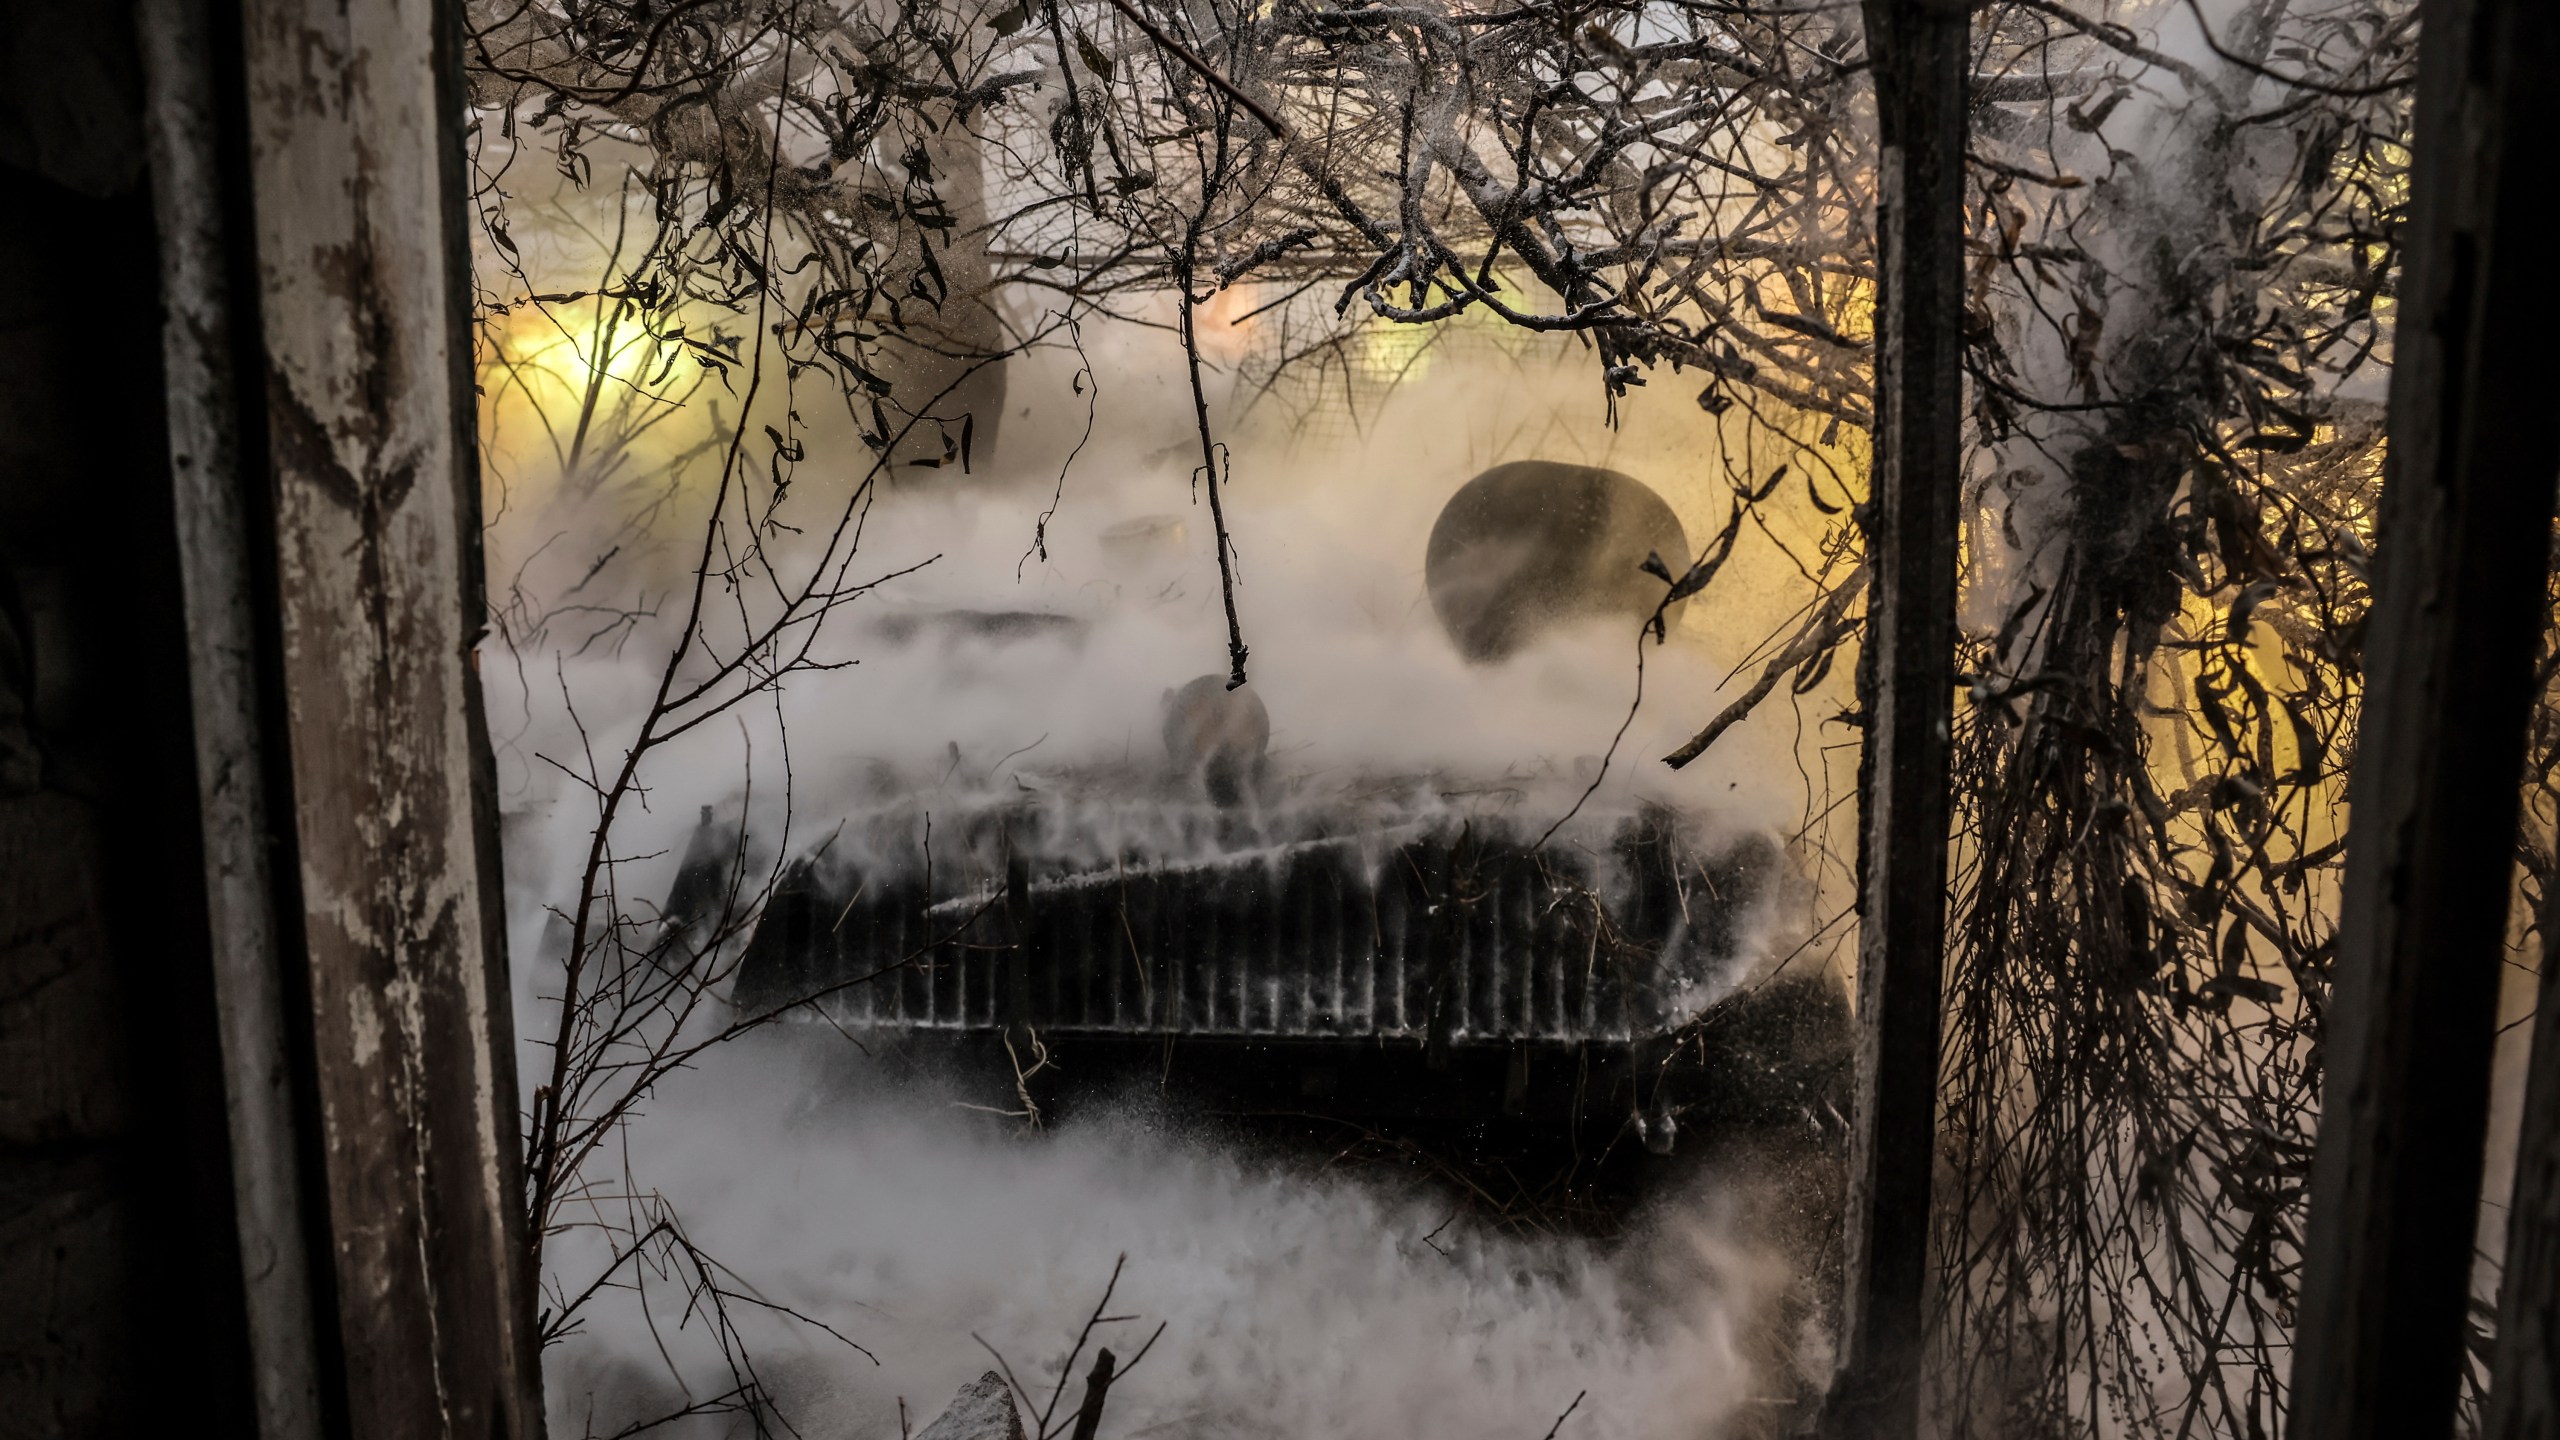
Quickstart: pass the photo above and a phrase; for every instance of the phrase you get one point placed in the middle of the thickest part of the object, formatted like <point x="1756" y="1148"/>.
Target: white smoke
<point x="1346" y="653"/>
<point x="1293" y="1304"/>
